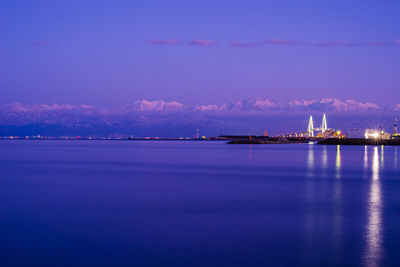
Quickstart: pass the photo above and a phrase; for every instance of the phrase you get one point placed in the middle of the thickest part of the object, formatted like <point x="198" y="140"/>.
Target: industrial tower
<point x="324" y="125"/>
<point x="311" y="127"/>
<point x="323" y="128"/>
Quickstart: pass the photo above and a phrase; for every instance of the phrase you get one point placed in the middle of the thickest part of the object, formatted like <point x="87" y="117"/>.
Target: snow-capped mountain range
<point x="258" y="104"/>
<point x="262" y="104"/>
<point x="19" y="114"/>
<point x="171" y="118"/>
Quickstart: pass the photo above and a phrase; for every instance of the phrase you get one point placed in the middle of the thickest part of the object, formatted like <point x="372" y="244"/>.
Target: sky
<point x="111" y="53"/>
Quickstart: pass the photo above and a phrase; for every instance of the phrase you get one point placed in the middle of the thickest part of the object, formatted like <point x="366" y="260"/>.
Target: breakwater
<point x="265" y="140"/>
<point x="359" y="142"/>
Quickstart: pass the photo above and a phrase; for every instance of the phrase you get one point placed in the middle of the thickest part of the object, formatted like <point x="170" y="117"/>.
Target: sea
<point x="197" y="203"/>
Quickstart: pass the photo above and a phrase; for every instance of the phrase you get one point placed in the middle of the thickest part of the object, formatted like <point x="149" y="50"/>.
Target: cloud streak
<point x="284" y="42"/>
<point x="244" y="44"/>
<point x="273" y="42"/>
<point x="205" y="43"/>
<point x="164" y="42"/>
<point x="336" y="43"/>
<point x="324" y="44"/>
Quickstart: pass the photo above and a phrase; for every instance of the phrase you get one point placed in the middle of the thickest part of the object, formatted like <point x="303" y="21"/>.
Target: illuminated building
<point x="322" y="132"/>
<point x="324" y="125"/>
<point x="396" y="134"/>
<point x="376" y="134"/>
<point x="311" y="127"/>
<point x="331" y="134"/>
<point x="355" y="133"/>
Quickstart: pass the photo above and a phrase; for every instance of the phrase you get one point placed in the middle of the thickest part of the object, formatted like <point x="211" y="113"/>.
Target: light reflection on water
<point x="324" y="162"/>
<point x="272" y="197"/>
<point x="338" y="162"/>
<point x="325" y="157"/>
<point x="374" y="251"/>
<point x="365" y="157"/>
<point x="337" y="188"/>
<point x="250" y="155"/>
<point x="310" y="160"/>
<point x="337" y="227"/>
<point x="310" y="220"/>
<point x="374" y="246"/>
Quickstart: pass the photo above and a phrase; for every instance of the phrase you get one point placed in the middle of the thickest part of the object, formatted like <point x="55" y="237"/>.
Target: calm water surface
<point x="117" y="203"/>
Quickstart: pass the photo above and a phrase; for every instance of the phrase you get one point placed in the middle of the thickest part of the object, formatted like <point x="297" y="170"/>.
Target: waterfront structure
<point x="355" y="133"/>
<point x="376" y="134"/>
<point x="321" y="132"/>
<point x="329" y="133"/>
<point x="311" y="127"/>
<point x="396" y="134"/>
<point x="324" y="125"/>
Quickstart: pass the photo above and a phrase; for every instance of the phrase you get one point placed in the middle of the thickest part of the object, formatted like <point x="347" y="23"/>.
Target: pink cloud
<point x="377" y="43"/>
<point x="336" y="43"/>
<point x="164" y="42"/>
<point x="287" y="42"/>
<point x="281" y="42"/>
<point x="244" y="44"/>
<point x="202" y="43"/>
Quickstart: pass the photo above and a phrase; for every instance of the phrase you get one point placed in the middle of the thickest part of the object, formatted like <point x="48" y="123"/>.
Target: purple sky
<point x="110" y="53"/>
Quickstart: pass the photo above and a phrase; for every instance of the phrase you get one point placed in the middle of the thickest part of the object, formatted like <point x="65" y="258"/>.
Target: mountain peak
<point x="157" y="105"/>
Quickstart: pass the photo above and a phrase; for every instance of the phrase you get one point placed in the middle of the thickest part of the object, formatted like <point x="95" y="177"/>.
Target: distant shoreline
<point x="111" y="139"/>
<point x="360" y="142"/>
<point x="232" y="140"/>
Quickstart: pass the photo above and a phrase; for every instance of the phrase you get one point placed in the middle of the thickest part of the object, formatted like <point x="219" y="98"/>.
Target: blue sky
<point x="109" y="53"/>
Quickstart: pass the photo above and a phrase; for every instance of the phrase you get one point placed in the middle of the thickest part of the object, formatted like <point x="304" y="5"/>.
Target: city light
<point x="371" y="134"/>
<point x="376" y="134"/>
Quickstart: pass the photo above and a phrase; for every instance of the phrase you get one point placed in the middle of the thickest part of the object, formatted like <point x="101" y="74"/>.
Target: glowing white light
<point x="310" y="160"/>
<point x="324" y="158"/>
<point x="372" y="134"/>
<point x="338" y="162"/>
<point x="374" y="249"/>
